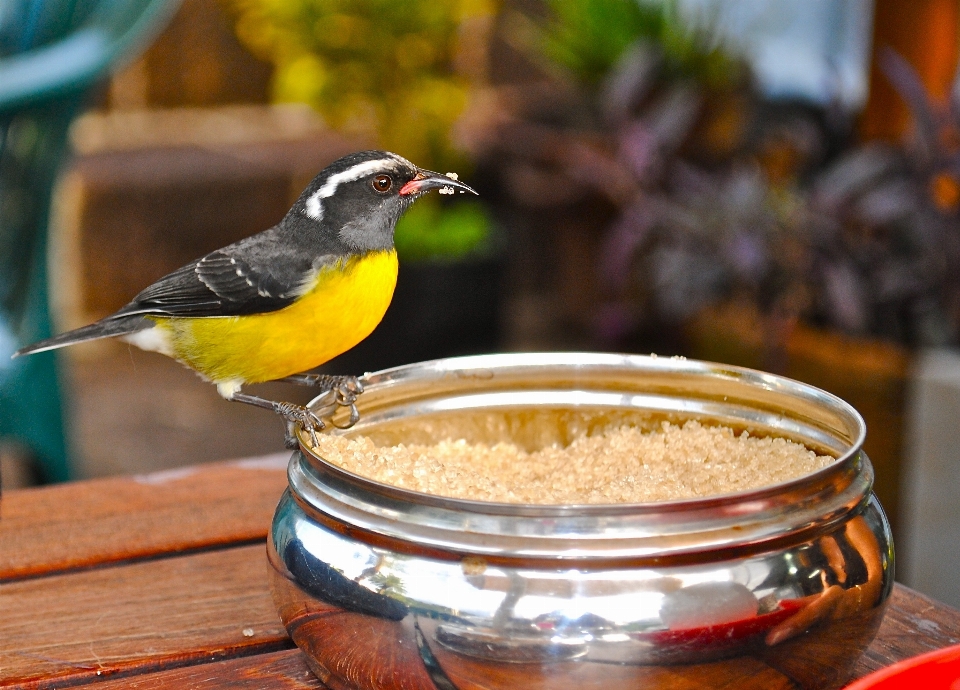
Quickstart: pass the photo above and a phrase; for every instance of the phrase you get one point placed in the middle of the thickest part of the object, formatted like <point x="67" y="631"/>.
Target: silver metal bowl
<point x="384" y="588"/>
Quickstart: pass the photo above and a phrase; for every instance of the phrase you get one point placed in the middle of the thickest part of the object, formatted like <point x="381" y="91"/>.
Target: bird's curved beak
<point x="427" y="180"/>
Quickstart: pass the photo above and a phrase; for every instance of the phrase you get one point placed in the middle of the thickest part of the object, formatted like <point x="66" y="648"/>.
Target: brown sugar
<point x="619" y="465"/>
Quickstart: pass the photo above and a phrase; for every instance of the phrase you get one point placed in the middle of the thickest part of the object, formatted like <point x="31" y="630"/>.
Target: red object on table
<point x="161" y="582"/>
<point x="938" y="670"/>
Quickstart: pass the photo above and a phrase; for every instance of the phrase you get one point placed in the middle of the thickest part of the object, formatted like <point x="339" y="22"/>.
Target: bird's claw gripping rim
<point x="342" y="391"/>
<point x="298" y="414"/>
<point x="339" y="391"/>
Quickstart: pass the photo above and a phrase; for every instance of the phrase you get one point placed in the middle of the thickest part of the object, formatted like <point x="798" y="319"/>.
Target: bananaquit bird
<point x="287" y="299"/>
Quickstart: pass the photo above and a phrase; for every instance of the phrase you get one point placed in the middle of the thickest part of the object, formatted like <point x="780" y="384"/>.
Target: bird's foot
<point x="295" y="415"/>
<point x="292" y="414"/>
<point x="337" y="392"/>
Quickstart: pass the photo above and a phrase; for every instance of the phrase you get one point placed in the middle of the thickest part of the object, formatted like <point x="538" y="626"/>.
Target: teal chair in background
<point x="52" y="54"/>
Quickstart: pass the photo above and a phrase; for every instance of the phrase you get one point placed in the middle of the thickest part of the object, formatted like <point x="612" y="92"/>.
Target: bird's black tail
<point x="105" y="328"/>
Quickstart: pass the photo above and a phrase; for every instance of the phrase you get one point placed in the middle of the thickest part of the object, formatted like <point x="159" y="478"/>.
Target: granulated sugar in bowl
<point x="619" y="465"/>
<point x="573" y="520"/>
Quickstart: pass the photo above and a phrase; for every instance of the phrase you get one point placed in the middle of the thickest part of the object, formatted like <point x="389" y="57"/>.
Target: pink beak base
<point x="426" y="180"/>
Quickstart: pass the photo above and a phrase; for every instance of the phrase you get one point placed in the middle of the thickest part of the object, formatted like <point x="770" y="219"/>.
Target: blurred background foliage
<point x="431" y="231"/>
<point x="718" y="193"/>
<point x="589" y="38"/>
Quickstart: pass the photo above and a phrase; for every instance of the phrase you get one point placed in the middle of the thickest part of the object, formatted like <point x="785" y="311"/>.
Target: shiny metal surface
<point x="386" y="588"/>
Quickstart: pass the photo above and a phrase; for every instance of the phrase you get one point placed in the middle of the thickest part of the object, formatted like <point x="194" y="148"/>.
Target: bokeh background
<point x="771" y="184"/>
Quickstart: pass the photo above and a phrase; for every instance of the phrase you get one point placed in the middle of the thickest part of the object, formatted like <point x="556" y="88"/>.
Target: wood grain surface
<point x="284" y="670"/>
<point x="68" y="526"/>
<point x="69" y="629"/>
<point x="914" y="624"/>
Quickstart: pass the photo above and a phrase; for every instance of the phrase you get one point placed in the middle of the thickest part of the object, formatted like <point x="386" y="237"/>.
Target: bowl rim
<point x="470" y="365"/>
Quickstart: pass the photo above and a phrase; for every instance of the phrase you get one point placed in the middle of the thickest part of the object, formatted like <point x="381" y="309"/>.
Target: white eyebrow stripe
<point x="314" y="205"/>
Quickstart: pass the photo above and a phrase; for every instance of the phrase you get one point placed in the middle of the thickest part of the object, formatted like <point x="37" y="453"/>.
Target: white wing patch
<point x="238" y="269"/>
<point x="314" y="205"/>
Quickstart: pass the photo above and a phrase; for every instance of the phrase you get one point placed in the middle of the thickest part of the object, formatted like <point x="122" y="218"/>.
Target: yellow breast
<point x="343" y="307"/>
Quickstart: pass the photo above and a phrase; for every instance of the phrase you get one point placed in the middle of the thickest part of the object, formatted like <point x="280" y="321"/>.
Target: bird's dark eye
<point x="382" y="183"/>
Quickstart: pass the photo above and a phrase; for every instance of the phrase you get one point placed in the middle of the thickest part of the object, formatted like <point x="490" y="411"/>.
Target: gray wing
<point x="262" y="273"/>
<point x="255" y="275"/>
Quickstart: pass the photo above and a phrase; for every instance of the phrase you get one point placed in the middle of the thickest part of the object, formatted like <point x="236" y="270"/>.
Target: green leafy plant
<point x="589" y="38"/>
<point x="787" y="215"/>
<point x="432" y="231"/>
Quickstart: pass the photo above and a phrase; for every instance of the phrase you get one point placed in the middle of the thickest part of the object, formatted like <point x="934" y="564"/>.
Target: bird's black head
<point x="360" y="197"/>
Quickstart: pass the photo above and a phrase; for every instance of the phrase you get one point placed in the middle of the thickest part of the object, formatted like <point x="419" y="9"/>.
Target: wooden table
<point x="160" y="581"/>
